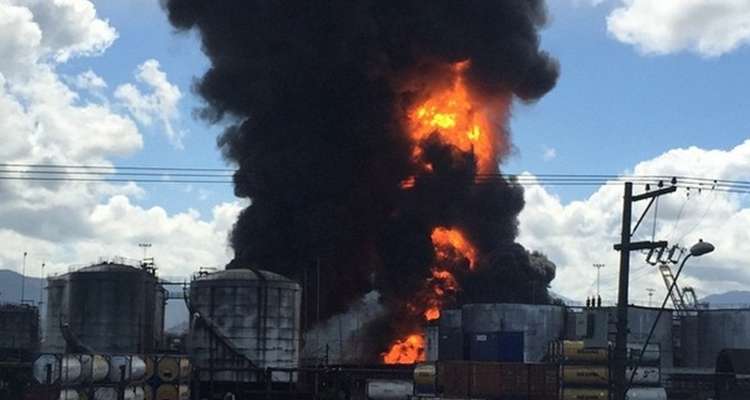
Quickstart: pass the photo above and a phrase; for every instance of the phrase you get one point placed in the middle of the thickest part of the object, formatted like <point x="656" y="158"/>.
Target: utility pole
<point x="145" y="247"/>
<point x="650" y="295"/>
<point x="598" y="268"/>
<point x="41" y="287"/>
<point x="625" y="247"/>
<point x="23" y="277"/>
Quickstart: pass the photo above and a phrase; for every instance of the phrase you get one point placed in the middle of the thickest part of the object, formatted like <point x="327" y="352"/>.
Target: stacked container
<point x="486" y="380"/>
<point x="168" y="377"/>
<point x="584" y="371"/>
<point x="89" y="376"/>
<point x="647" y="379"/>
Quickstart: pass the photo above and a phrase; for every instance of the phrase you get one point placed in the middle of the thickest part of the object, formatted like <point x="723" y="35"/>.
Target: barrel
<point x="573" y="351"/>
<point x="167" y="392"/>
<point x="646" y="394"/>
<point x="105" y="393"/>
<point x="131" y="368"/>
<point x="168" y="368"/>
<point x="585" y="394"/>
<point x="648" y="376"/>
<point x="151" y="366"/>
<point x="585" y="375"/>
<point x="69" y="394"/>
<point x="389" y="389"/>
<point x="652" y="355"/>
<point x="186" y="368"/>
<point x="148" y="392"/>
<point x="46" y="369"/>
<point x="183" y="392"/>
<point x="95" y="368"/>
<point x="134" y="393"/>
<point x="70" y="369"/>
<point x="424" y="378"/>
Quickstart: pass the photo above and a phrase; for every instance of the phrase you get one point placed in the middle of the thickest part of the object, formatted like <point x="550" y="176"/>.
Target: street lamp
<point x="697" y="250"/>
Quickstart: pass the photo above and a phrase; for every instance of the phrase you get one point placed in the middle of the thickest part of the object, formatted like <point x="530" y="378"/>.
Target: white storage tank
<point x="244" y="317"/>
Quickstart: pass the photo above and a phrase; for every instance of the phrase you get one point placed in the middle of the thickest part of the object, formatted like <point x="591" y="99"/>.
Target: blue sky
<point x="612" y="107"/>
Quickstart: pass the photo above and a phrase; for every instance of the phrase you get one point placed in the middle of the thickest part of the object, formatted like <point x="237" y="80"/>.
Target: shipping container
<point x="544" y="381"/>
<point x="450" y="344"/>
<point x="453" y="378"/>
<point x="497" y="346"/>
<point x="486" y="381"/>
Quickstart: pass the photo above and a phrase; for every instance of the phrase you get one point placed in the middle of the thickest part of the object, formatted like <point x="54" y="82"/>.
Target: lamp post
<point x="697" y="250"/>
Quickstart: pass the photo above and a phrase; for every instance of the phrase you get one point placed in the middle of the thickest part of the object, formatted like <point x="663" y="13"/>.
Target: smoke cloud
<point x="315" y="94"/>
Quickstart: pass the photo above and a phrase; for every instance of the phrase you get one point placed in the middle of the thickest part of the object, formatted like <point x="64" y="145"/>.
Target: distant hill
<point x="733" y="299"/>
<point x="10" y="287"/>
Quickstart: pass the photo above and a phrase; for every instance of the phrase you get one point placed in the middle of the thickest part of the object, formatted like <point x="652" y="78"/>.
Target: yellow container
<point x="168" y="369"/>
<point x="585" y="394"/>
<point x="573" y="351"/>
<point x="585" y="375"/>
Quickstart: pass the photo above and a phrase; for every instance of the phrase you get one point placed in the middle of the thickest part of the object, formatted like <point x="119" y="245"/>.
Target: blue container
<point x="496" y="346"/>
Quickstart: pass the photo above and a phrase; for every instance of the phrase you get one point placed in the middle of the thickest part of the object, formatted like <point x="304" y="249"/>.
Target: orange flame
<point x="450" y="244"/>
<point x="407" y="351"/>
<point x="458" y="118"/>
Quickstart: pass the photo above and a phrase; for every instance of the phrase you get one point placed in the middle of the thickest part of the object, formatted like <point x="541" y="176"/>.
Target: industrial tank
<point x="530" y="327"/>
<point x="106" y="307"/>
<point x="708" y="332"/>
<point x="241" y="318"/>
<point x="52" y="337"/>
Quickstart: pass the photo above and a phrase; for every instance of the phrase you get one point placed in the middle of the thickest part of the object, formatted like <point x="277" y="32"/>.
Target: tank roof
<point x="242" y="274"/>
<point x="109" y="267"/>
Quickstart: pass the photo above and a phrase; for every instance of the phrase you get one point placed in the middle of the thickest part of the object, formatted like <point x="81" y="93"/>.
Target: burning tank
<point x="108" y="307"/>
<point x="244" y="318"/>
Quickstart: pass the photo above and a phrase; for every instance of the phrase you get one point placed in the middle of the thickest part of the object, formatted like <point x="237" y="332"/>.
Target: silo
<point x="106" y="307"/>
<point x="52" y="337"/>
<point x="244" y="318"/>
<point x="497" y="328"/>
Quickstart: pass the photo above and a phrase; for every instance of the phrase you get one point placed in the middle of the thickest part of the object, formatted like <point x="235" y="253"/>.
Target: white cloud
<point x="160" y="104"/>
<point x="549" y="153"/>
<point x="580" y="233"/>
<point x="707" y="27"/>
<point x="44" y="120"/>
<point x="90" y="81"/>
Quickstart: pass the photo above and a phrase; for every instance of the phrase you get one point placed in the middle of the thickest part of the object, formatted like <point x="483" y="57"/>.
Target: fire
<point x="458" y="118"/>
<point x="451" y="244"/>
<point x="452" y="250"/>
<point x="407" y="351"/>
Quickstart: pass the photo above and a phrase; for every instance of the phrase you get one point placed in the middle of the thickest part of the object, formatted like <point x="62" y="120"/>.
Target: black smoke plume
<point x="315" y="94"/>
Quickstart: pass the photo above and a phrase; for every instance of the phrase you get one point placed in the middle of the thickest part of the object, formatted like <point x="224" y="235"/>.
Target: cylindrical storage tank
<point x="640" y="321"/>
<point x="256" y="311"/>
<point x="168" y="392"/>
<point x="389" y="389"/>
<point x="105" y="393"/>
<point x="652" y="355"/>
<point x="168" y="368"/>
<point x="647" y="394"/>
<point x="115" y="308"/>
<point x="538" y="325"/>
<point x="126" y="368"/>
<point x="574" y="352"/>
<point x="94" y="368"/>
<point x="585" y="375"/>
<point x="585" y="394"/>
<point x="424" y="379"/>
<point x="70" y="369"/>
<point x="69" y="394"/>
<point x="186" y="368"/>
<point x="52" y="337"/>
<point x="46" y="369"/>
<point x="645" y="376"/>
